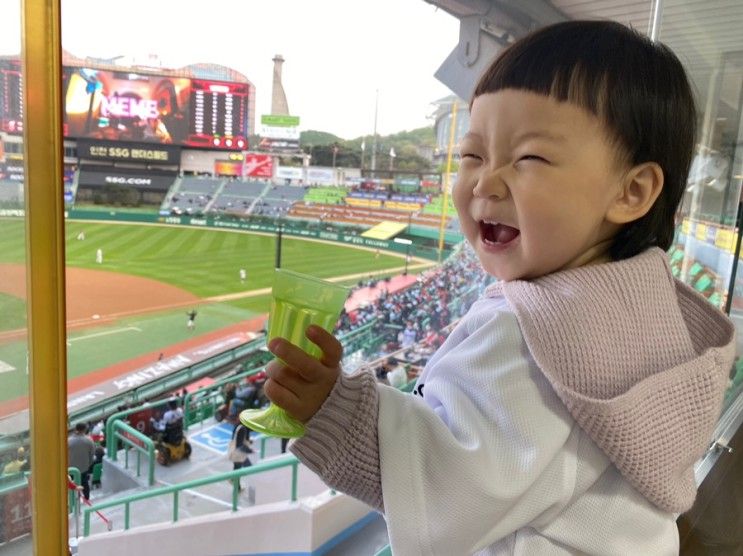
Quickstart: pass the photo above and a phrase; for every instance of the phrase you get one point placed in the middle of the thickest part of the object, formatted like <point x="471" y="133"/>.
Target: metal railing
<point x="143" y="444"/>
<point x="120" y="417"/>
<point x="72" y="498"/>
<point x="234" y="476"/>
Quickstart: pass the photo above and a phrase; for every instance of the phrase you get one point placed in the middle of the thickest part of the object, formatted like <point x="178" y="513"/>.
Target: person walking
<point x="80" y="454"/>
<point x="239" y="449"/>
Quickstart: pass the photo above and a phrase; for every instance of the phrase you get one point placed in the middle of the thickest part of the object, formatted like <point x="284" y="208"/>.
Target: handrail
<point x="119" y="416"/>
<point x="147" y="447"/>
<point x="72" y="498"/>
<point x="167" y="383"/>
<point x="234" y="476"/>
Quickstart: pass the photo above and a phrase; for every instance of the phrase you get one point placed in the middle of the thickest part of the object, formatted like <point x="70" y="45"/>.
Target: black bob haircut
<point x="638" y="88"/>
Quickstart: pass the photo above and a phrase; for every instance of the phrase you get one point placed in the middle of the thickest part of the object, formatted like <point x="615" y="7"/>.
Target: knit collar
<point x="639" y="359"/>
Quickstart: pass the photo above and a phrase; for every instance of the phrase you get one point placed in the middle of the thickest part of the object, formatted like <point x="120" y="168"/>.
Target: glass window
<point x="15" y="499"/>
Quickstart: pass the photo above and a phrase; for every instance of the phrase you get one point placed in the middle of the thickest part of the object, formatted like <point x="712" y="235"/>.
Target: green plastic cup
<point x="297" y="301"/>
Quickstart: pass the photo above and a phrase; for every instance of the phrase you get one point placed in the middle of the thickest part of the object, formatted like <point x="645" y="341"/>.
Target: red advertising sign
<point x="258" y="165"/>
<point x="141" y="421"/>
<point x="15" y="509"/>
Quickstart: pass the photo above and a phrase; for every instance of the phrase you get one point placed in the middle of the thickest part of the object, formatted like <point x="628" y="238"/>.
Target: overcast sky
<point x="337" y="52"/>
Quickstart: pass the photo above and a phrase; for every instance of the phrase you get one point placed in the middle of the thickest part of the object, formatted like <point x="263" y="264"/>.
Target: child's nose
<point x="491" y="184"/>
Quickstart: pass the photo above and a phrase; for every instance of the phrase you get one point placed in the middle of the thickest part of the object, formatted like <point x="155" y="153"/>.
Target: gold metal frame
<point x="45" y="272"/>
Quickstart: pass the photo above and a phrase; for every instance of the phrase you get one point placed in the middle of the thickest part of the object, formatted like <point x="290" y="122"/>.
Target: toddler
<point x="565" y="412"/>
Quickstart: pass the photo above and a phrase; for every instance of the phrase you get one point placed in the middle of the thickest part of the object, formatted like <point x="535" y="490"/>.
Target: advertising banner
<point x="289" y="173"/>
<point x="322" y="176"/>
<point x="228" y="168"/>
<point x="258" y="165"/>
<point x="126" y="178"/>
<point x="273" y="132"/>
<point x="125" y="106"/>
<point x="278" y="145"/>
<point x="279" y="120"/>
<point x="129" y="152"/>
<point x="12" y="171"/>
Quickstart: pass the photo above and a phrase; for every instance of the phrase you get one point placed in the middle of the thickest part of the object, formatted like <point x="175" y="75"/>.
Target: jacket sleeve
<point x="340" y="443"/>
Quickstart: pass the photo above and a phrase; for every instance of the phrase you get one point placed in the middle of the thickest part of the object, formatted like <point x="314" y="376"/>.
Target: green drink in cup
<point x="297" y="301"/>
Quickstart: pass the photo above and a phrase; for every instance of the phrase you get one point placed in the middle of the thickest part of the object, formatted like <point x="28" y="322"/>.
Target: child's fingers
<point x="287" y="377"/>
<point x="332" y="350"/>
<point x="306" y="366"/>
<point x="278" y="394"/>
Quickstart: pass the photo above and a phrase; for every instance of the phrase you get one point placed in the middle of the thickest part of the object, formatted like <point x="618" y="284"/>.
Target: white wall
<point x="299" y="528"/>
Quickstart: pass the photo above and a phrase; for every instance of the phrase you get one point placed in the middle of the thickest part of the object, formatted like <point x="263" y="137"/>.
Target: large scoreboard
<point x="11" y="96"/>
<point x="129" y="106"/>
<point x="219" y="114"/>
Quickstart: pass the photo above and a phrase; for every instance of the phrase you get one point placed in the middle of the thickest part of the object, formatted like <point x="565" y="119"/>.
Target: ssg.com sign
<point x="121" y="180"/>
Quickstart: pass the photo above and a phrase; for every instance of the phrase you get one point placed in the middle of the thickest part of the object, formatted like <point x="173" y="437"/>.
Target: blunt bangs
<point x="637" y="88"/>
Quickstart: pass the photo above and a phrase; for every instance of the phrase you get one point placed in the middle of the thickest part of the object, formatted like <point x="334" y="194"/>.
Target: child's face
<point x="535" y="182"/>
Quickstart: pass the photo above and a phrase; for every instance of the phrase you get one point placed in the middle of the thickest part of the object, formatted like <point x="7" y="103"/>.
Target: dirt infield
<point x="97" y="296"/>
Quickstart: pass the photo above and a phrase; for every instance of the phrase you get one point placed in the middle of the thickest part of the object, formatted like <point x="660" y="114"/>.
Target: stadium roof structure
<point x="385" y="230"/>
<point x="216" y="72"/>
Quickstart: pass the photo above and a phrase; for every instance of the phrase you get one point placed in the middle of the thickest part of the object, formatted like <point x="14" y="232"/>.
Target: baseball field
<point x="135" y="300"/>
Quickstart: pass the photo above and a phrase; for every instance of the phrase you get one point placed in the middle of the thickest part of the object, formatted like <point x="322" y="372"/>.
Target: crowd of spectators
<point x="424" y="307"/>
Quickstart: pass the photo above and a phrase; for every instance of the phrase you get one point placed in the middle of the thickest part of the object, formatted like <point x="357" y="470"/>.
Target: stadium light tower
<point x="278" y="245"/>
<point x="406" y="242"/>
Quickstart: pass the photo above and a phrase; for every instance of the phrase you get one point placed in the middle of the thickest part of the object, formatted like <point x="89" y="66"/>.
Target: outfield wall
<point x="288" y="227"/>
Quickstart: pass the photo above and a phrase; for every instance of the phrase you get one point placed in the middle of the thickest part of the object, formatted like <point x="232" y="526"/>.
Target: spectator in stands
<point x="239" y="449"/>
<point x="18" y="464"/>
<point x="172" y="415"/>
<point x="80" y="454"/>
<point x="408" y="335"/>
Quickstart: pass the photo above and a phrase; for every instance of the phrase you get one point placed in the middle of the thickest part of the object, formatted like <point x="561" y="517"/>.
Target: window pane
<point x="15" y="500"/>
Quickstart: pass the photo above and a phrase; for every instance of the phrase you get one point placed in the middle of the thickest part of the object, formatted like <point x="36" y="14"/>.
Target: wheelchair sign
<point x="216" y="438"/>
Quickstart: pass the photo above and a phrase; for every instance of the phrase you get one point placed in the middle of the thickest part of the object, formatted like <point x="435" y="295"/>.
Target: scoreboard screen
<point x="128" y="106"/>
<point x="11" y="97"/>
<point x="218" y="114"/>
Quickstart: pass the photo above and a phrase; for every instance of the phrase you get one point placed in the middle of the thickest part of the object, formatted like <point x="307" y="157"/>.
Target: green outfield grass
<point x="207" y="262"/>
<point x="204" y="262"/>
<point x="13" y="311"/>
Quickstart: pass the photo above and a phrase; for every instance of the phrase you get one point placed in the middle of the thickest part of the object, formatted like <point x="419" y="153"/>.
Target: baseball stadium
<point x="152" y="280"/>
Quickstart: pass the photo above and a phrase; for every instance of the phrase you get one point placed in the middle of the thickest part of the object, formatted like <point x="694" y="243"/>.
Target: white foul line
<point x="106" y="333"/>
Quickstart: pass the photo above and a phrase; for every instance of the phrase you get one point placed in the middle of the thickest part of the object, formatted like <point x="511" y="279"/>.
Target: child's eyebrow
<point x="539" y="134"/>
<point x="470" y="136"/>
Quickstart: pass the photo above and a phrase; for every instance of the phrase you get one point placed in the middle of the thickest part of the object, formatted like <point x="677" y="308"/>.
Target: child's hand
<point x="299" y="383"/>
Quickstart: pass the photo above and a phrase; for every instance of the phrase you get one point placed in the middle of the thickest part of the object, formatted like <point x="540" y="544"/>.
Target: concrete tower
<point x="279" y="106"/>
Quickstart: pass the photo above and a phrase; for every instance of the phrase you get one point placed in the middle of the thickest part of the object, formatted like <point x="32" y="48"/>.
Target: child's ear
<point x="640" y="188"/>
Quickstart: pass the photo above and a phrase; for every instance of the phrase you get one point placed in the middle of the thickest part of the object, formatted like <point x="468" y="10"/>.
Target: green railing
<point x="143" y="444"/>
<point x="73" y="500"/>
<point x="234" y="476"/>
<point x="169" y="383"/>
<point x="120" y="416"/>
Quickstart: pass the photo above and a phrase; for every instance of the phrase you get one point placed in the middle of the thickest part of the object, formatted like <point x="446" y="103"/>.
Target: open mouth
<point x="494" y="233"/>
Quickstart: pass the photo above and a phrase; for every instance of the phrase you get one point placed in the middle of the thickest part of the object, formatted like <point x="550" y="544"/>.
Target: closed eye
<point x="470" y="155"/>
<point x="533" y="157"/>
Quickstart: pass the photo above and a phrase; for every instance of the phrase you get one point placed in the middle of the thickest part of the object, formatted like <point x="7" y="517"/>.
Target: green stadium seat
<point x="95" y="478"/>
